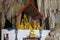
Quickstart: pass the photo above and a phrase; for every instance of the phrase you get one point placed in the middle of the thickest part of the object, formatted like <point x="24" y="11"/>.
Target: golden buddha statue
<point x="22" y="24"/>
<point x="26" y="25"/>
<point x="29" y="26"/>
<point x="25" y="22"/>
<point x="38" y="26"/>
<point x="32" y="34"/>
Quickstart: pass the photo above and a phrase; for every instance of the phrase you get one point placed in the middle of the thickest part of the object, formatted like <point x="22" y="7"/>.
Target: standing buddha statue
<point x="25" y="21"/>
<point x="29" y="26"/>
<point x="22" y="24"/>
<point x="38" y="26"/>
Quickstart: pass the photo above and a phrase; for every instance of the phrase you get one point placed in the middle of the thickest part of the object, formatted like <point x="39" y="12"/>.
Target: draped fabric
<point x="10" y="8"/>
<point x="13" y="10"/>
<point x="7" y="23"/>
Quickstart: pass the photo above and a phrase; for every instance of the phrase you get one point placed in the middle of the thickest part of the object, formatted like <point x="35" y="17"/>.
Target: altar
<point x="30" y="22"/>
<point x="23" y="34"/>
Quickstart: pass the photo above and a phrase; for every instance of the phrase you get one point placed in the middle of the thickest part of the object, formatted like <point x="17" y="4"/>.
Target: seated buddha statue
<point x="32" y="34"/>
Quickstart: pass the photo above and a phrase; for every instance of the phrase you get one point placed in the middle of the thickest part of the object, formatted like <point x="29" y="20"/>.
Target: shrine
<point x="29" y="19"/>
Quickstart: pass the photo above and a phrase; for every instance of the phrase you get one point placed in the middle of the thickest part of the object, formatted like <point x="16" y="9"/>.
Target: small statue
<point x="29" y="26"/>
<point x="22" y="25"/>
<point x="38" y="26"/>
<point x="25" y="21"/>
<point x="32" y="34"/>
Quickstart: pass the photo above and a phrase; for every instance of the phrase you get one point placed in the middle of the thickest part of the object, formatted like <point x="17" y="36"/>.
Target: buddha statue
<point x="25" y="22"/>
<point x="38" y="26"/>
<point x="32" y="34"/>
<point x="29" y="26"/>
<point x="21" y="25"/>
